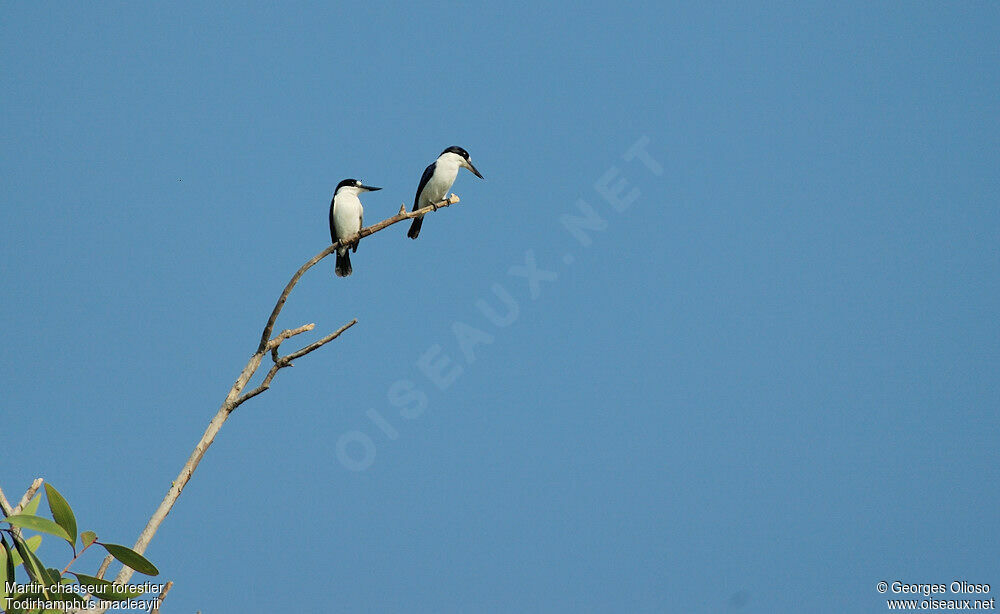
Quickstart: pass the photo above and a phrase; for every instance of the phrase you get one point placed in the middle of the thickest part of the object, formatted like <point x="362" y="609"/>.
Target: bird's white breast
<point x="347" y="213"/>
<point x="445" y="172"/>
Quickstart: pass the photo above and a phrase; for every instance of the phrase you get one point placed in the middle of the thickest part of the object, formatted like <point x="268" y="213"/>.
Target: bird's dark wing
<point x="361" y="224"/>
<point x="333" y="229"/>
<point x="428" y="173"/>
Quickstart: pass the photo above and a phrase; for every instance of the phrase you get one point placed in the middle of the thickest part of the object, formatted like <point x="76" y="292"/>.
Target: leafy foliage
<point x="49" y="583"/>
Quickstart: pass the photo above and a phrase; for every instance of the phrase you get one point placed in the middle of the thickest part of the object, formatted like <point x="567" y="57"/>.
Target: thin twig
<point x="161" y="597"/>
<point x="399" y="217"/>
<point x="290" y="332"/>
<point x="29" y="495"/>
<point x="25" y="500"/>
<point x="275" y="343"/>
<point x="75" y="557"/>
<point x="318" y="344"/>
<point x="5" y="506"/>
<point x="235" y="397"/>
<point x="264" y="385"/>
<point x="280" y="362"/>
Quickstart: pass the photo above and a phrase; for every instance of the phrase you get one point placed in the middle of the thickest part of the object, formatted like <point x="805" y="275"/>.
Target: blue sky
<point x="766" y="385"/>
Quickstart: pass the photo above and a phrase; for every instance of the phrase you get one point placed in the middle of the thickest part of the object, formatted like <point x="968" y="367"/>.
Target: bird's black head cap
<point x="455" y="149"/>
<point x="354" y="183"/>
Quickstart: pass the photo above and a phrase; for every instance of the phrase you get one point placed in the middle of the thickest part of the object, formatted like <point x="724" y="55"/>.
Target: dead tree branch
<point x="280" y="362"/>
<point x="161" y="597"/>
<point x="370" y="230"/>
<point x="236" y="396"/>
<point x="5" y="506"/>
<point x="9" y="510"/>
<point x="29" y="495"/>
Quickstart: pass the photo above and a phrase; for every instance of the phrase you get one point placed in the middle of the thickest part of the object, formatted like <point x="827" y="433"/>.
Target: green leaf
<point x="53" y="576"/>
<point x="38" y="523"/>
<point x="32" y="543"/>
<point x="36" y="571"/>
<point x="6" y="571"/>
<point x="132" y="559"/>
<point x="32" y="506"/>
<point x="88" y="537"/>
<point x="61" y="512"/>
<point x="8" y="561"/>
<point x="108" y="591"/>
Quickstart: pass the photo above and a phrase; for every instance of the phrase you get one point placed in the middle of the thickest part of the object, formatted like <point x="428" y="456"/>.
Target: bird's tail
<point x="414" y="231"/>
<point x="343" y="264"/>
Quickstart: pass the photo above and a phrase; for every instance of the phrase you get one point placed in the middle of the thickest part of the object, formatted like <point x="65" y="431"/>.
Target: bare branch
<point x="104" y="566"/>
<point x="399" y="217"/>
<point x="318" y="344"/>
<point x="280" y="362"/>
<point x="161" y="597"/>
<point x="264" y="385"/>
<point x="236" y="396"/>
<point x="285" y="334"/>
<point x="29" y="495"/>
<point x="10" y="511"/>
<point x="273" y="344"/>
<point x="5" y="506"/>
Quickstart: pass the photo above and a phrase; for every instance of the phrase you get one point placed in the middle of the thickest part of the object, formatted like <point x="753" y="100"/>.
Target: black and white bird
<point x="346" y="218"/>
<point x="437" y="180"/>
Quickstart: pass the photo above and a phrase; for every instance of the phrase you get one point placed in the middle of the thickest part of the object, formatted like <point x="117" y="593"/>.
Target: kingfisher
<point x="437" y="180"/>
<point x="346" y="218"/>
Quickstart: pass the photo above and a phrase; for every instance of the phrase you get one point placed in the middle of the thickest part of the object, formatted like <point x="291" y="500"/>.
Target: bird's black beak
<point x="369" y="188"/>
<point x="474" y="171"/>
